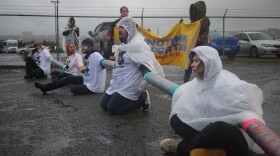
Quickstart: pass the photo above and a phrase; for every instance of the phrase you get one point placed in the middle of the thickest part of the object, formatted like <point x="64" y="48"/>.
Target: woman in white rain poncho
<point x="207" y="111"/>
<point x="126" y="91"/>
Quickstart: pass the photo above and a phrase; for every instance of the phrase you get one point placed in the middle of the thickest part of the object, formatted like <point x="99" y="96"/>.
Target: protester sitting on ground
<point x="127" y="87"/>
<point x="74" y="63"/>
<point x="38" y="63"/>
<point x="206" y="112"/>
<point x="92" y="81"/>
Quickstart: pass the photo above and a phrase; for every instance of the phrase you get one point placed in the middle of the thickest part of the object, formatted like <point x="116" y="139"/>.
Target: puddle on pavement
<point x="102" y="138"/>
<point x="17" y="108"/>
<point x="54" y="146"/>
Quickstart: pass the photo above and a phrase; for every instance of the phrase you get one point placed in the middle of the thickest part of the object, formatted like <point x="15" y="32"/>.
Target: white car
<point x="28" y="48"/>
<point x="256" y="44"/>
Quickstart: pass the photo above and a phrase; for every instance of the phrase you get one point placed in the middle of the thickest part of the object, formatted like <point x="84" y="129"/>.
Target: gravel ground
<point x="62" y="124"/>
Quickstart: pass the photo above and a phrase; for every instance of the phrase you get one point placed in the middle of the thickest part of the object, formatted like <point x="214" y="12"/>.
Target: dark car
<point x="231" y="45"/>
<point x="103" y="39"/>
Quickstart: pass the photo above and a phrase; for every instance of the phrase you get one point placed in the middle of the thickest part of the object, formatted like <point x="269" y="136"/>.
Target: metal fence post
<point x="224" y="34"/>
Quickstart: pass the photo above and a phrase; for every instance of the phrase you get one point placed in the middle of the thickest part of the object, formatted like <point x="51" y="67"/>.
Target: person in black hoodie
<point x="92" y="81"/>
<point x="198" y="12"/>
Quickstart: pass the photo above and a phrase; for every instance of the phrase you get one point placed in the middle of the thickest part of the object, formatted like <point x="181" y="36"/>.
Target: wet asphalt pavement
<point x="60" y="123"/>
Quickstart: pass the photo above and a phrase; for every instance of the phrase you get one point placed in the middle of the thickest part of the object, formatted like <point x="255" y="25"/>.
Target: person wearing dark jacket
<point x="198" y="12"/>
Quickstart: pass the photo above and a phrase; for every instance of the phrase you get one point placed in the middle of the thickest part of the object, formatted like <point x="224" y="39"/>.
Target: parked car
<point x="60" y="50"/>
<point x="231" y="45"/>
<point x="28" y="48"/>
<point x="10" y="46"/>
<point x="103" y="39"/>
<point x="256" y="44"/>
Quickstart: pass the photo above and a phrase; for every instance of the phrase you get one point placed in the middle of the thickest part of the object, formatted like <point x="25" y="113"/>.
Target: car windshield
<point x="12" y="44"/>
<point x="259" y="36"/>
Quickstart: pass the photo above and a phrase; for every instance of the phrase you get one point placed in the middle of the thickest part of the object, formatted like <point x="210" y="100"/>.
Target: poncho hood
<point x="136" y="47"/>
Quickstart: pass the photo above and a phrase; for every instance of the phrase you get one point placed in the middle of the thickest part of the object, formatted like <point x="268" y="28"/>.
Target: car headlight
<point x="267" y="45"/>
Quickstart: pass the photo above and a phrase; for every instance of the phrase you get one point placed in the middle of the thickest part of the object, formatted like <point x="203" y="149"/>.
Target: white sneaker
<point x="169" y="145"/>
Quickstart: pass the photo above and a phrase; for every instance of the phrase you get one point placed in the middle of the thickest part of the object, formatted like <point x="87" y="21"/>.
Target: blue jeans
<point x="117" y="104"/>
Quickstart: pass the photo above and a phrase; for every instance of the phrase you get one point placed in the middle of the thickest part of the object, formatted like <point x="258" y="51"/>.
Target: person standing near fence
<point x="71" y="33"/>
<point x="38" y="63"/>
<point x="198" y="12"/>
<point x="74" y="63"/>
<point x="127" y="88"/>
<point x="92" y="81"/>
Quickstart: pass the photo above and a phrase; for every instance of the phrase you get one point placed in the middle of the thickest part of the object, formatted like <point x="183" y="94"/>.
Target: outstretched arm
<point x="107" y="63"/>
<point x="158" y="81"/>
<point x="57" y="63"/>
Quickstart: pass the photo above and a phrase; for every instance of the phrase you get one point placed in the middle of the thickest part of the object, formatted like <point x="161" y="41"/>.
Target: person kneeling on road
<point x="92" y="81"/>
<point x="126" y="91"/>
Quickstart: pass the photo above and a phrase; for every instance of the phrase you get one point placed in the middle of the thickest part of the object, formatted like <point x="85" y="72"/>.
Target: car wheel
<point x="231" y="56"/>
<point x="254" y="52"/>
<point x="278" y="56"/>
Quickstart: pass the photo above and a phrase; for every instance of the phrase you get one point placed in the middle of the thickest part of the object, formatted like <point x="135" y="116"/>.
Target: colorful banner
<point x="173" y="48"/>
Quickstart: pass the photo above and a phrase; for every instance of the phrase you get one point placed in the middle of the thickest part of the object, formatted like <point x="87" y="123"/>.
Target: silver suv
<point x="256" y="44"/>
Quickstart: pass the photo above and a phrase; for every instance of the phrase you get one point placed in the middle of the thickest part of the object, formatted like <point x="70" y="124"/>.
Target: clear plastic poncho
<point x="137" y="49"/>
<point x="220" y="96"/>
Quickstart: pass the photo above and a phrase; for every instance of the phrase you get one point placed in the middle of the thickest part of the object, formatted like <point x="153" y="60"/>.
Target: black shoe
<point x="40" y="86"/>
<point x="28" y="76"/>
<point x="147" y="103"/>
<point x="41" y="77"/>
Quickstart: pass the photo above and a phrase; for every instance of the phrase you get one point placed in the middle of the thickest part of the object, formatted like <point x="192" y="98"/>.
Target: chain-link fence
<point x="27" y="28"/>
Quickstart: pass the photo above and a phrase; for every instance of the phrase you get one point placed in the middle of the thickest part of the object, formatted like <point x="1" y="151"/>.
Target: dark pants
<point x="215" y="135"/>
<point x="76" y="82"/>
<point x="32" y="69"/>
<point x="117" y="104"/>
<point x="56" y="75"/>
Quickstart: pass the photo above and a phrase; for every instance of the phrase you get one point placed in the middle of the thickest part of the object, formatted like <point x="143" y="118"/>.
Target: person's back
<point x="95" y="74"/>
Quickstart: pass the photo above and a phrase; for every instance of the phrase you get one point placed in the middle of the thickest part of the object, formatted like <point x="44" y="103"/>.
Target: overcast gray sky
<point x="111" y="8"/>
<point x="113" y="5"/>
